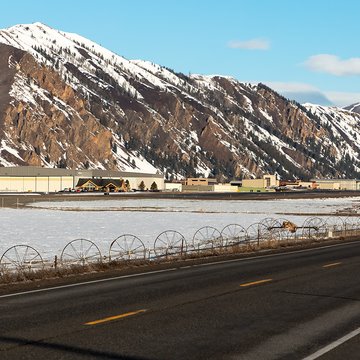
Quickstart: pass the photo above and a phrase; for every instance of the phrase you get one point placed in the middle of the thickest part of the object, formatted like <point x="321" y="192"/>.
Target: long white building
<point x="39" y="179"/>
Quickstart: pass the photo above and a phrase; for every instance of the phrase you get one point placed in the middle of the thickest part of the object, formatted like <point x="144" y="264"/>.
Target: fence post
<point x="55" y="262"/>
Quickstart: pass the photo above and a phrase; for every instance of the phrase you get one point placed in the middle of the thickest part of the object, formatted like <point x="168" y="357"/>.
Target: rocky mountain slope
<point x="68" y="102"/>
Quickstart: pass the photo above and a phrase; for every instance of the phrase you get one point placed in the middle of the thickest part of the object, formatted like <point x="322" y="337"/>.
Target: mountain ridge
<point x="353" y="107"/>
<point x="68" y="102"/>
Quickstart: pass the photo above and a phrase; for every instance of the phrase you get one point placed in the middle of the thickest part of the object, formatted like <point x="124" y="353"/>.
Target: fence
<point x="171" y="244"/>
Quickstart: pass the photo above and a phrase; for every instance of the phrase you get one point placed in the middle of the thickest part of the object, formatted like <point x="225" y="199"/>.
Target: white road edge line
<point x="85" y="283"/>
<point x="274" y="255"/>
<point x="259" y="257"/>
<point x="333" y="345"/>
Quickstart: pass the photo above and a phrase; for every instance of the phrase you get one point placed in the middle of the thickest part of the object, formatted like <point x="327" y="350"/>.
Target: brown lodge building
<point x="106" y="185"/>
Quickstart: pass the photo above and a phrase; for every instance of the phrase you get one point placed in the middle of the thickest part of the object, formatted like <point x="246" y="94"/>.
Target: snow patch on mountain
<point x="345" y="124"/>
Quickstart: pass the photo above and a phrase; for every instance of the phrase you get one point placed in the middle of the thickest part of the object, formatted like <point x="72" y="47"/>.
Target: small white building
<point x="173" y="186"/>
<point x="225" y="188"/>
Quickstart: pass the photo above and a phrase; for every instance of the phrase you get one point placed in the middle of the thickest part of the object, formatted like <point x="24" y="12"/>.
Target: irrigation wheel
<point x="21" y="258"/>
<point x="80" y="252"/>
<point x="233" y="234"/>
<point x="314" y="227"/>
<point x="170" y="243"/>
<point x="207" y="237"/>
<point x="127" y="247"/>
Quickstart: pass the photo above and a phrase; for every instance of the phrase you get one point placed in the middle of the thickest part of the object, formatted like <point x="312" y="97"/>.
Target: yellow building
<point x="267" y="181"/>
<point x="200" y="181"/>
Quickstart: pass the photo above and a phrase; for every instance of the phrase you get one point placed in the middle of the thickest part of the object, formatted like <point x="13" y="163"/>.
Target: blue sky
<point x="305" y="47"/>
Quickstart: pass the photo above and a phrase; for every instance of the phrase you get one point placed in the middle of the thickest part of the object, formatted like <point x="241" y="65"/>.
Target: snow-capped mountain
<point x="66" y="101"/>
<point x="354" y="107"/>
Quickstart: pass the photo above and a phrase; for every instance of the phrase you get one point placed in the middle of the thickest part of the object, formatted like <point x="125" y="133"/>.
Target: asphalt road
<point x="283" y="306"/>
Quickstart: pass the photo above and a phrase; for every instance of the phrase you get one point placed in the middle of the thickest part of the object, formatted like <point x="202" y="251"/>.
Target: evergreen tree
<point x="127" y="184"/>
<point x="142" y="186"/>
<point x="154" y="186"/>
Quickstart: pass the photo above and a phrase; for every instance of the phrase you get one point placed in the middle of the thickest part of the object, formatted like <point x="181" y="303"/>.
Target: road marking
<point x="331" y="265"/>
<point x="273" y="255"/>
<point x="116" y="317"/>
<point x="333" y="345"/>
<point x="87" y="283"/>
<point x="172" y="269"/>
<point x="256" y="282"/>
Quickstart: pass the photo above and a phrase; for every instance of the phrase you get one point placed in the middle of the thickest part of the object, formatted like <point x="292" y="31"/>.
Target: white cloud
<point x="313" y="94"/>
<point x="332" y="64"/>
<point x="252" y="44"/>
<point x="300" y="91"/>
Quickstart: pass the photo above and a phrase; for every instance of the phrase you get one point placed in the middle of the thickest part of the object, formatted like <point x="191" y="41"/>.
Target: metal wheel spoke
<point x="132" y="243"/>
<point x="173" y="241"/>
<point x="75" y="257"/>
<point x="34" y="257"/>
<point x="167" y="239"/>
<point x="25" y="254"/>
<point x="75" y="251"/>
<point x="81" y="247"/>
<point x="91" y="256"/>
<point x="126" y="244"/>
<point x="138" y="247"/>
<point x="17" y="255"/>
<point x="120" y="246"/>
<point x="11" y="260"/>
<point x="87" y="251"/>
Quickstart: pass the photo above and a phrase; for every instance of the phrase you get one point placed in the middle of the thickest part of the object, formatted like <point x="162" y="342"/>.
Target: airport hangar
<point x="40" y="179"/>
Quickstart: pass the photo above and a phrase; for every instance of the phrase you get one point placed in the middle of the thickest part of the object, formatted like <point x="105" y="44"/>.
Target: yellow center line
<point x="116" y="317"/>
<point x="256" y="282"/>
<point x="332" y="264"/>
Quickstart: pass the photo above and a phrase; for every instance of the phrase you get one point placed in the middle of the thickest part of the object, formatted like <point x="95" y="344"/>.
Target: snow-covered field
<point x="49" y="226"/>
